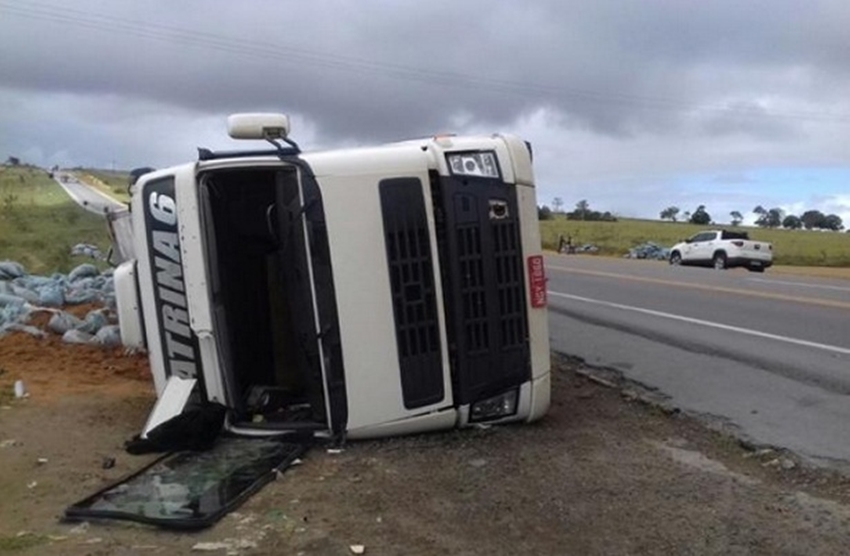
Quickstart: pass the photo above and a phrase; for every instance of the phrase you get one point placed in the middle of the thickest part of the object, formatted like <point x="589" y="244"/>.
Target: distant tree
<point x="774" y="217"/>
<point x="544" y="213"/>
<point x="700" y="216"/>
<point x="582" y="208"/>
<point x="813" y="219"/>
<point x="13" y="161"/>
<point x="769" y="218"/>
<point x="792" y="222"/>
<point x="557" y="203"/>
<point x="686" y="216"/>
<point x="737" y="217"/>
<point x="583" y="212"/>
<point x="669" y="213"/>
<point x="833" y="222"/>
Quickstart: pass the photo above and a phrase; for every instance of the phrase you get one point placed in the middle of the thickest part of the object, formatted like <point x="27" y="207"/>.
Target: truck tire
<point x="719" y="260"/>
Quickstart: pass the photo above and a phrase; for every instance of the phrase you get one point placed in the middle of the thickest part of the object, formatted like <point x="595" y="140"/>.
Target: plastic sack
<point x="108" y="285"/>
<point x="76" y="337"/>
<point x="109" y="302"/>
<point x="109" y="335"/>
<point x="78" y="296"/>
<point x="51" y="295"/>
<point x="10" y="270"/>
<point x="95" y="320"/>
<point x="86" y="250"/>
<point x="7" y="299"/>
<point x="84" y="283"/>
<point x="62" y="322"/>
<point x="84" y="270"/>
<point x="14" y="312"/>
<point x="33" y="282"/>
<point x="29" y="295"/>
<point x="18" y="327"/>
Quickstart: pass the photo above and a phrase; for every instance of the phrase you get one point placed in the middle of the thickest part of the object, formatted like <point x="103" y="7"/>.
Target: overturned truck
<point x="354" y="293"/>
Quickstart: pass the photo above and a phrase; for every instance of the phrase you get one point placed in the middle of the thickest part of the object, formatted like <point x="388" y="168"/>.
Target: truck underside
<point x="262" y="297"/>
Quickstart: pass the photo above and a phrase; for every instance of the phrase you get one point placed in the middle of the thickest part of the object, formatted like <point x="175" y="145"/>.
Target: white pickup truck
<point x="723" y="249"/>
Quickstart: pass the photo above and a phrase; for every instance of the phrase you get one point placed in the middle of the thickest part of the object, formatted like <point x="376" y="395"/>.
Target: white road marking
<point x="822" y="286"/>
<point x="87" y="204"/>
<point x="70" y="192"/>
<point x="739" y="330"/>
<point x="706" y="287"/>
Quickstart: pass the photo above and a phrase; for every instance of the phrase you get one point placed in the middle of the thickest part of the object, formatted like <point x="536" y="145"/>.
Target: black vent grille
<point x="411" y="271"/>
<point x="510" y="287"/>
<point x="472" y="289"/>
<point x="481" y="258"/>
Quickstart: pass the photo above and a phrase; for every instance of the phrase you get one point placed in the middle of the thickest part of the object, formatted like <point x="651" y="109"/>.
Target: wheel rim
<point x="719" y="263"/>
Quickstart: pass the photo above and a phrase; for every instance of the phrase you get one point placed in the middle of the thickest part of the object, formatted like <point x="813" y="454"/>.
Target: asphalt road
<point x="766" y="354"/>
<point x="85" y="196"/>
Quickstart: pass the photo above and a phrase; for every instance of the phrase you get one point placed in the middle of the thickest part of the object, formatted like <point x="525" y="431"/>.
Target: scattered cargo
<point x="22" y="295"/>
<point x="648" y="250"/>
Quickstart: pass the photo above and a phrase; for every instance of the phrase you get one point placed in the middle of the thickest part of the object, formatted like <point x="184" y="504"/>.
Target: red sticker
<point x="537" y="281"/>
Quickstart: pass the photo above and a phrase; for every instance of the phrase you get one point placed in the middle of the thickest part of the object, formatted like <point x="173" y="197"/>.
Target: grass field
<point x="39" y="223"/>
<point x="790" y="247"/>
<point x="111" y="182"/>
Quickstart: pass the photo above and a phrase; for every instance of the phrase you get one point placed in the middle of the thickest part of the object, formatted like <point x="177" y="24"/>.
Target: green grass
<point x="111" y="182"/>
<point x="39" y="223"/>
<point x="14" y="543"/>
<point x="790" y="247"/>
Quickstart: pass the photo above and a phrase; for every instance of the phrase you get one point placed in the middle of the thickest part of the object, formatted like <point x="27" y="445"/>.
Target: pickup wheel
<point x="719" y="261"/>
<point x="675" y="258"/>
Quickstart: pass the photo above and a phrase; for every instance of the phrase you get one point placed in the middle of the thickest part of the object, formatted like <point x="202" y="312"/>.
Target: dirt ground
<point x="603" y="473"/>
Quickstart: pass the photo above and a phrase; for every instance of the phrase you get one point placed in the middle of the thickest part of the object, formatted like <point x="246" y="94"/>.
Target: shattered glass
<point x="192" y="489"/>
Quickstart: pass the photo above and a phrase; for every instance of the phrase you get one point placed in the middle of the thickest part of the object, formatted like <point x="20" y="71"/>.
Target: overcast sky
<point x="632" y="105"/>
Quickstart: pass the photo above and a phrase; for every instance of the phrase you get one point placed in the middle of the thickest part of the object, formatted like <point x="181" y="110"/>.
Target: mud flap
<point x="193" y="490"/>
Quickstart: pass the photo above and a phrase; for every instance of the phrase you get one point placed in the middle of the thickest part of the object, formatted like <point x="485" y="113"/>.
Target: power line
<point x="300" y="56"/>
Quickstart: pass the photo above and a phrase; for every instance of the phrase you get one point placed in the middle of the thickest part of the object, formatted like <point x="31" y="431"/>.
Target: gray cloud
<point x="616" y="95"/>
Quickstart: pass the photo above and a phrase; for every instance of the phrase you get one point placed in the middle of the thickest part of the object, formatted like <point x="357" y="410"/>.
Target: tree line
<point x="582" y="211"/>
<point x="765" y="218"/>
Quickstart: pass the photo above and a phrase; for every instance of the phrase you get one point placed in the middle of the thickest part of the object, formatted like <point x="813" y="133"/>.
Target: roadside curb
<point x="770" y="456"/>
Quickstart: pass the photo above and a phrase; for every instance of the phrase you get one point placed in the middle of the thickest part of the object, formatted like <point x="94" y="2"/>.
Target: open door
<point x="193" y="490"/>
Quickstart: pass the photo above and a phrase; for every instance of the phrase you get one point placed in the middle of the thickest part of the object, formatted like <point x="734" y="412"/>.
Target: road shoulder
<point x="603" y="472"/>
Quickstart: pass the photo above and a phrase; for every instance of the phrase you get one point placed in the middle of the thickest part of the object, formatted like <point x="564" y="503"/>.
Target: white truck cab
<point x="345" y="294"/>
<point x="352" y="293"/>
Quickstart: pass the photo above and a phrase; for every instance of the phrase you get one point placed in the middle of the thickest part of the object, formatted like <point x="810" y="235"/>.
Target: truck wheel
<point x="719" y="261"/>
<point x="675" y="258"/>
